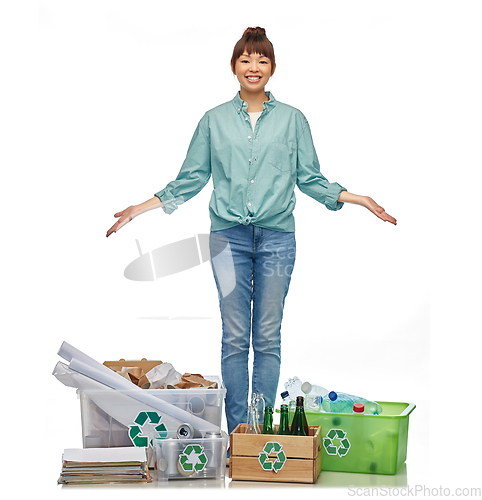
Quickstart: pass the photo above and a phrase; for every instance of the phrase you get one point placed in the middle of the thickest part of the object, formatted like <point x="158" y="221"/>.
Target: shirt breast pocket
<point x="283" y="154"/>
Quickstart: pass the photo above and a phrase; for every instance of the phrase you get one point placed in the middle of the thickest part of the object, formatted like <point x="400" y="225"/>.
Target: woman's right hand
<point x="129" y="213"/>
<point x="124" y="217"/>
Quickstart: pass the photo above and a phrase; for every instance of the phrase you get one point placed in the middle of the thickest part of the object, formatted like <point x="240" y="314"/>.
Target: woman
<point x="256" y="149"/>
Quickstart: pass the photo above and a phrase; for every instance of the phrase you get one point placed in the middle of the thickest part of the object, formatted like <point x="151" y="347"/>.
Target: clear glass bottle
<point x="257" y="400"/>
<point x="252" y="427"/>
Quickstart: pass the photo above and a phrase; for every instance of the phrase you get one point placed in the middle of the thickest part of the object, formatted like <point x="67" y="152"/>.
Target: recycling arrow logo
<point x="272" y="447"/>
<point x="146" y="427"/>
<point x="336" y="443"/>
<point x="193" y="458"/>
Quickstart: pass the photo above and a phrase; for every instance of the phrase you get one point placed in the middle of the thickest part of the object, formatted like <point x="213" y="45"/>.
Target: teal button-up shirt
<point x="254" y="172"/>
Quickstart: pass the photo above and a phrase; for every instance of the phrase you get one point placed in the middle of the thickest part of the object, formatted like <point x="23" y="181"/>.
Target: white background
<point x="99" y="103"/>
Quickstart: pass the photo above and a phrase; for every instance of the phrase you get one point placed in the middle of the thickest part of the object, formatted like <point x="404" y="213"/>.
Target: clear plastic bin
<point x="198" y="458"/>
<point x="115" y="418"/>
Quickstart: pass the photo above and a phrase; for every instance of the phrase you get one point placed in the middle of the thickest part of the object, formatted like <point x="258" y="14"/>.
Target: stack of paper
<point x="104" y="465"/>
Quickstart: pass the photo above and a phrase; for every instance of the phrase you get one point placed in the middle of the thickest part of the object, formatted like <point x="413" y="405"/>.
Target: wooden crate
<point x="301" y="462"/>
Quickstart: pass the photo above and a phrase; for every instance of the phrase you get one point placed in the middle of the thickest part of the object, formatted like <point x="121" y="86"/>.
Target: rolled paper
<point x="119" y="405"/>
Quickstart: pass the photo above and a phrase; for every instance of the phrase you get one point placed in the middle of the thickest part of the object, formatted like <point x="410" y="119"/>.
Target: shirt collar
<point x="239" y="104"/>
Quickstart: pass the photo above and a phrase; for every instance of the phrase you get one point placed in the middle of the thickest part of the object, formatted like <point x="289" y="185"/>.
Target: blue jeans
<point x="252" y="268"/>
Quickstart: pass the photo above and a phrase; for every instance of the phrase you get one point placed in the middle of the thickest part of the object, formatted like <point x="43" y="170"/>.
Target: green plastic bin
<point x="371" y="444"/>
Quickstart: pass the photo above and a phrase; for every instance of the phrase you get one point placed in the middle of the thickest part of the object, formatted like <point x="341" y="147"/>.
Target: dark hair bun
<point x="257" y="31"/>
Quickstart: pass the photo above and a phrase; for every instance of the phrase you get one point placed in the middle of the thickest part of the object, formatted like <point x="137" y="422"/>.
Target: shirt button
<point x="249" y="160"/>
<point x="254" y="158"/>
<point x="252" y="182"/>
<point x="249" y="137"/>
<point x="249" y="204"/>
<point x="246" y="119"/>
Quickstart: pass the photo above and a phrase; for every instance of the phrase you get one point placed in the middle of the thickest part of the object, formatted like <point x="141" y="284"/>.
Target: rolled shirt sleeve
<point x="194" y="174"/>
<point x="310" y="180"/>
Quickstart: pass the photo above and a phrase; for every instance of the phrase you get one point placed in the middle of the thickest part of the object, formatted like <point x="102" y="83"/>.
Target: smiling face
<point x="253" y="71"/>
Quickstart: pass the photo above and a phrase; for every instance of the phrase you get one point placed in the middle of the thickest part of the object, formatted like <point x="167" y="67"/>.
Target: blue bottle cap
<point x="333" y="396"/>
<point x="284" y="394"/>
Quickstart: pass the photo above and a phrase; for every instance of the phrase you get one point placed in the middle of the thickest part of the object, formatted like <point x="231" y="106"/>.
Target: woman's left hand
<point x="378" y="210"/>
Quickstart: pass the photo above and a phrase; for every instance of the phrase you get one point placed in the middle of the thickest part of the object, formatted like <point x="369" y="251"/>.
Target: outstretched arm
<point x="367" y="202"/>
<point x="129" y="213"/>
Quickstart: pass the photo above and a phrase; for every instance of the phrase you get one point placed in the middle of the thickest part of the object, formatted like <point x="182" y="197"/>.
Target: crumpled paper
<point x="163" y="375"/>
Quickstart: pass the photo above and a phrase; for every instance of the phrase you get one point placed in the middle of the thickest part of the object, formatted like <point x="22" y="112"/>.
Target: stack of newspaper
<point x="104" y="465"/>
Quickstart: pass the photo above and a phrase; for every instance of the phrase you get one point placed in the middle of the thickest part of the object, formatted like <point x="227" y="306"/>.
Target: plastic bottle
<point x="284" y="424"/>
<point x="313" y="403"/>
<point x="308" y="388"/>
<point x="293" y="386"/>
<point x="285" y="396"/>
<point x="337" y="403"/>
<point x="268" y="421"/>
<point x="358" y="408"/>
<point x="299" y="427"/>
<point x="314" y="395"/>
<point x="343" y="403"/>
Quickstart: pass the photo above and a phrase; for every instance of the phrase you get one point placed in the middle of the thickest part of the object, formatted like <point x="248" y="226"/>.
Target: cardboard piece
<point x="190" y="380"/>
<point x="135" y="370"/>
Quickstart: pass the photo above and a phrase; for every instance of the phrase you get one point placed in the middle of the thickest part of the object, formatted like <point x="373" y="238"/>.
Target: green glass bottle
<point x="298" y="425"/>
<point x="268" y="421"/>
<point x="284" y="423"/>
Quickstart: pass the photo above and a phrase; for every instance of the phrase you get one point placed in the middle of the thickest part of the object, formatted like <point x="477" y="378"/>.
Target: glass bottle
<point x="299" y="426"/>
<point x="257" y="400"/>
<point x="252" y="426"/>
<point x="284" y="423"/>
<point x="268" y="421"/>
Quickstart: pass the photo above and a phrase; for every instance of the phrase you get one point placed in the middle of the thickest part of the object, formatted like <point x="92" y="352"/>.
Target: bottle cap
<point x="358" y="408"/>
<point x="306" y="387"/>
<point x="285" y="394"/>
<point x="333" y="396"/>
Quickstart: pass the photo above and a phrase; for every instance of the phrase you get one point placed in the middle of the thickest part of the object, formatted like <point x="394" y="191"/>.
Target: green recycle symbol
<point x="135" y="431"/>
<point x="193" y="458"/>
<point x="329" y="445"/>
<point x="272" y="447"/>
